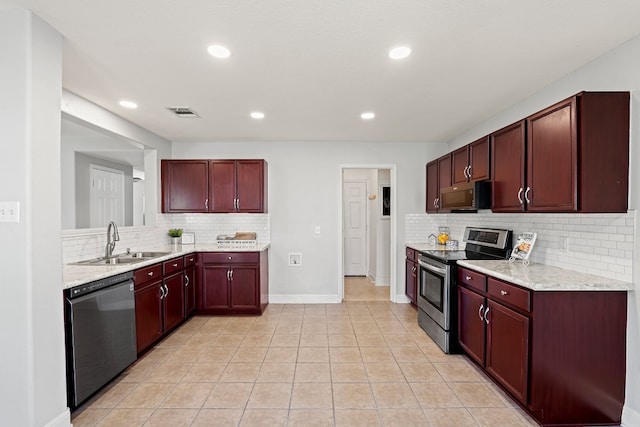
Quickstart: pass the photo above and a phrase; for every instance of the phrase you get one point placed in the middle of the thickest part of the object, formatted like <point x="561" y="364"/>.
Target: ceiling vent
<point x="184" y="112"/>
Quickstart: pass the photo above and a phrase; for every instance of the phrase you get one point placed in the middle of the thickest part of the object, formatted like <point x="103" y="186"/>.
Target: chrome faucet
<point x="112" y="238"/>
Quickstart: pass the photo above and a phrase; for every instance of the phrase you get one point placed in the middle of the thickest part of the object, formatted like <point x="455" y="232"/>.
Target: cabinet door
<point x="222" y="181"/>
<point x="508" y="348"/>
<point x="215" y="287"/>
<point x="459" y="165"/>
<point x="433" y="190"/>
<point x="444" y="172"/>
<point x="189" y="291"/>
<point x="479" y="160"/>
<point x="148" y="315"/>
<point x="173" y="301"/>
<point x="411" y="281"/>
<point x="244" y="287"/>
<point x="471" y="326"/>
<point x="507" y="164"/>
<point x="250" y="186"/>
<point x="185" y="185"/>
<point x="552" y="159"/>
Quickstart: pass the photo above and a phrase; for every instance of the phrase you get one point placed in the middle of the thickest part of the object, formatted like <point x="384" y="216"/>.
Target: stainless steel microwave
<point x="466" y="197"/>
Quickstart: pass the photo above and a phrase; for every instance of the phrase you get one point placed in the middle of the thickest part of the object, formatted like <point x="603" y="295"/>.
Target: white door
<point x="107" y="196"/>
<point x="355" y="228"/>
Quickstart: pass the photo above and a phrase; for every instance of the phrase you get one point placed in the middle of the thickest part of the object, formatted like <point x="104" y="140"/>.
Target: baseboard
<point x="62" y="420"/>
<point x="304" y="299"/>
<point x="630" y="417"/>
<point x="402" y="299"/>
<point x="383" y="281"/>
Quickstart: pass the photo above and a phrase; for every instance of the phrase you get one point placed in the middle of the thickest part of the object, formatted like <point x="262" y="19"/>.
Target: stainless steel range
<point x="437" y="301"/>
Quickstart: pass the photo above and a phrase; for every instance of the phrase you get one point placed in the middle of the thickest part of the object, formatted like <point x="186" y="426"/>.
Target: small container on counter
<point x="451" y="244"/>
<point x="443" y="235"/>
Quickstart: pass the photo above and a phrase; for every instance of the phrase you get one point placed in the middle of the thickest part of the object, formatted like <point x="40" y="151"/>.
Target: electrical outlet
<point x="295" y="259"/>
<point x="9" y="211"/>
<point x="317" y="229"/>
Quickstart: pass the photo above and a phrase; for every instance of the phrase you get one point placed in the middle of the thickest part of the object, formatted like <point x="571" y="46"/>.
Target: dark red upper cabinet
<point x="507" y="164"/>
<point x="218" y="186"/>
<point x="185" y="186"/>
<point x="222" y="181"/>
<point x="573" y="157"/>
<point x="238" y="185"/>
<point x="552" y="159"/>
<point x="471" y="162"/>
<point x="433" y="190"/>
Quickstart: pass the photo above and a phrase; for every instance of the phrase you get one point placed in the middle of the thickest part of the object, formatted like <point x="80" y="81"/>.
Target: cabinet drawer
<point x="472" y="279"/>
<point x="147" y="274"/>
<point x="189" y="260"/>
<point x="509" y="294"/>
<point x="411" y="254"/>
<point x="172" y="265"/>
<point x="231" y="258"/>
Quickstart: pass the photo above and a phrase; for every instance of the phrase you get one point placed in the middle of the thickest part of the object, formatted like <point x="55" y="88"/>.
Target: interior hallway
<point x="363" y="289"/>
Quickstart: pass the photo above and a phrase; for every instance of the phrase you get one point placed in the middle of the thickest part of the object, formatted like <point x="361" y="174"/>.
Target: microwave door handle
<point x="432" y="268"/>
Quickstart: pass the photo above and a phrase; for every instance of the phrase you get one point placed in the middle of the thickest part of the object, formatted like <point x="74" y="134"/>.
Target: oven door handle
<point x="433" y="268"/>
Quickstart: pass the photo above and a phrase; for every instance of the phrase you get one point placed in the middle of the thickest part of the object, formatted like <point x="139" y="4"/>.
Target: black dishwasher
<point x="100" y="334"/>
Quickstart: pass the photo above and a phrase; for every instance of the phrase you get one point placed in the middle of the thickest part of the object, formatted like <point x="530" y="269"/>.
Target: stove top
<point x="482" y="243"/>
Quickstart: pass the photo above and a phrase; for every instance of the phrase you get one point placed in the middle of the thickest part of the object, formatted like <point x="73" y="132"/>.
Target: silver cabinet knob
<point x="503" y="293"/>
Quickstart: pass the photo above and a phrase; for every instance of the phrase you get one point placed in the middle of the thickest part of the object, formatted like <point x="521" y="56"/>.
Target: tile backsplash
<point x="600" y="244"/>
<point x="83" y="244"/>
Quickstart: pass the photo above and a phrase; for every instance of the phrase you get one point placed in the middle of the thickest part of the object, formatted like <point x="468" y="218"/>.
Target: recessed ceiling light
<point x="219" y="51"/>
<point x="367" y="116"/>
<point x="128" y="104"/>
<point x="400" y="52"/>
<point x="257" y="115"/>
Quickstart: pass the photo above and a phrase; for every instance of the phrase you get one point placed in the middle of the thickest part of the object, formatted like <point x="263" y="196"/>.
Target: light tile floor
<point x="349" y="364"/>
<point x="363" y="289"/>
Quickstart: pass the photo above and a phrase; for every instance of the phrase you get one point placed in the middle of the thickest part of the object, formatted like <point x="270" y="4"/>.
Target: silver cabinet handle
<point x="186" y="280"/>
<point x="162" y="295"/>
<point x="480" y="312"/>
<point x="438" y="203"/>
<point x="206" y="203"/>
<point x="526" y="195"/>
<point x="520" y="195"/>
<point x="228" y="274"/>
<point x="503" y="293"/>
<point x="486" y="318"/>
<point x="434" y="203"/>
<point x="175" y="265"/>
<point x="231" y="271"/>
<point x="468" y="278"/>
<point x="166" y="289"/>
<point x="190" y="259"/>
<point x="469" y="172"/>
<point x="150" y="273"/>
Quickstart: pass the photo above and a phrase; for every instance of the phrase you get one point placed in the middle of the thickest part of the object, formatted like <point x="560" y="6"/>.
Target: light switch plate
<point x="9" y="211"/>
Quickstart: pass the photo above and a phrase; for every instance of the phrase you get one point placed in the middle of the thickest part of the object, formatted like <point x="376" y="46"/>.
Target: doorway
<point x="106" y="195"/>
<point x="367" y="249"/>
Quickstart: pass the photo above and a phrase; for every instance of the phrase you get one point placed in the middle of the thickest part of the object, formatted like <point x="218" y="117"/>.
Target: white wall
<point x="32" y="368"/>
<point x="383" y="267"/>
<point x="617" y="70"/>
<point x="304" y="188"/>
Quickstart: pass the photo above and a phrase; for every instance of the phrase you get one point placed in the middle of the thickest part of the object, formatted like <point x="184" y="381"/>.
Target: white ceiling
<point x="312" y="66"/>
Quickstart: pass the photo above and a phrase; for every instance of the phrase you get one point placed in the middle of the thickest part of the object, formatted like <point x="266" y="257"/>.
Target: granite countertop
<point x="74" y="275"/>
<point x="540" y="277"/>
<point x="435" y="247"/>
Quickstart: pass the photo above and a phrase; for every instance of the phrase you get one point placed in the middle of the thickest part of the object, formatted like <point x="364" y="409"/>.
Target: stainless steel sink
<point x="148" y="254"/>
<point x="130" y="258"/>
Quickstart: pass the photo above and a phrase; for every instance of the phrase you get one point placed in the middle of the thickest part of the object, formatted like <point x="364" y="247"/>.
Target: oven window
<point x="432" y="288"/>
